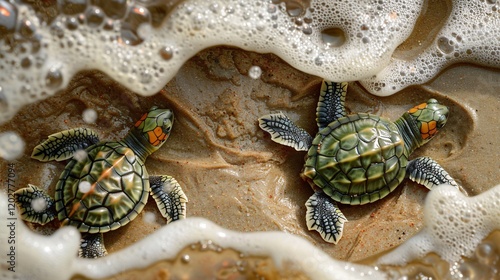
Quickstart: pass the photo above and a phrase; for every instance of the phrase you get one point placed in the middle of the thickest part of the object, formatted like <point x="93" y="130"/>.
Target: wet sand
<point x="231" y="171"/>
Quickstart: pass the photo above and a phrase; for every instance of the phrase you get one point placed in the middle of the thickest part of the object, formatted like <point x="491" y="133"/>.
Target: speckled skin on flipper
<point x="107" y="185"/>
<point x="358" y="158"/>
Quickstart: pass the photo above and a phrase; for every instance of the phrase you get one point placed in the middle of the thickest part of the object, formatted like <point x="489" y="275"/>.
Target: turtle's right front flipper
<point x="331" y="104"/>
<point x="62" y="145"/>
<point x="428" y="172"/>
<point x="169" y="197"/>
<point x="35" y="204"/>
<point x="285" y="132"/>
<point x="325" y="217"/>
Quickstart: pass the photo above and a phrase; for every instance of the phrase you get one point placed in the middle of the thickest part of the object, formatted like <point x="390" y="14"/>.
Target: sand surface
<point x="231" y="171"/>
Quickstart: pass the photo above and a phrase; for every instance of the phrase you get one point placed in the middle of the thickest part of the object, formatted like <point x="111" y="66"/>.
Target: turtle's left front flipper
<point x="285" y="132"/>
<point x="169" y="197"/>
<point x="428" y="172"/>
<point x="325" y="217"/>
<point x="92" y="246"/>
<point x="63" y="145"/>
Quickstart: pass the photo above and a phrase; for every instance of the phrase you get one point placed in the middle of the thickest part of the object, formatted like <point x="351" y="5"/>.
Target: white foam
<point x="471" y="34"/>
<point x="55" y="257"/>
<point x="337" y="40"/>
<point x="27" y="255"/>
<point x="454" y="225"/>
<point x="372" y="30"/>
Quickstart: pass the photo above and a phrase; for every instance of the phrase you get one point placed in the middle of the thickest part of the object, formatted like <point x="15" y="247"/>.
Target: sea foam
<point x="142" y="44"/>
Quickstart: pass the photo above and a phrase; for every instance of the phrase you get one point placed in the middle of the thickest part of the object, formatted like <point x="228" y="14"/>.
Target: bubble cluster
<point x="470" y="34"/>
<point x="454" y="226"/>
<point x="142" y="44"/>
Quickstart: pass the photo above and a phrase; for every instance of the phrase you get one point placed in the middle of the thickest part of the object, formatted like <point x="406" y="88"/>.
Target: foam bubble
<point x="80" y="155"/>
<point x="39" y="204"/>
<point x="254" y="72"/>
<point x="84" y="187"/>
<point x="149" y="217"/>
<point x="89" y="115"/>
<point x="11" y="145"/>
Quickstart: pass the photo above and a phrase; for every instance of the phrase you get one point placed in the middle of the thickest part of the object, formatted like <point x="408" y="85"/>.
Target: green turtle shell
<point x="119" y="189"/>
<point x="357" y="159"/>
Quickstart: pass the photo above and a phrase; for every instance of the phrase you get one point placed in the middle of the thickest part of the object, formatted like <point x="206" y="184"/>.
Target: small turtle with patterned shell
<point x="105" y="185"/>
<point x="359" y="158"/>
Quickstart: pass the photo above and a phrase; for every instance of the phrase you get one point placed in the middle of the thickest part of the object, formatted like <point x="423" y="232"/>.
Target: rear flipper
<point x="428" y="172"/>
<point x="324" y="216"/>
<point x="92" y="246"/>
<point x="169" y="197"/>
<point x="35" y="204"/>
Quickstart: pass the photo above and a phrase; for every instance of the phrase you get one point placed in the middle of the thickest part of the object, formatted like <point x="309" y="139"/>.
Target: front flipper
<point x="35" y="204"/>
<point x="331" y="104"/>
<point x="285" y="132"/>
<point x="428" y="172"/>
<point x="62" y="145"/>
<point x="169" y="197"/>
<point x="324" y="216"/>
<point x="92" y="246"/>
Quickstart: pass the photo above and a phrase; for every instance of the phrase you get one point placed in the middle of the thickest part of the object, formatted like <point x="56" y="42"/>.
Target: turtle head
<point x="429" y="117"/>
<point x="155" y="127"/>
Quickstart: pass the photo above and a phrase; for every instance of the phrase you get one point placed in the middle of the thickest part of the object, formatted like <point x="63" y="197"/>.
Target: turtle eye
<point x="441" y="121"/>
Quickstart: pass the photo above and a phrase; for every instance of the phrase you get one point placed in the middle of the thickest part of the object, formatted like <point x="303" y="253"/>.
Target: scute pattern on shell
<point x="119" y="189"/>
<point x="357" y="159"/>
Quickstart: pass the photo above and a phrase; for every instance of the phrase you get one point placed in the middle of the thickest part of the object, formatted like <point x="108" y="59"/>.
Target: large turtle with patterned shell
<point x="359" y="158"/>
<point x="105" y="185"/>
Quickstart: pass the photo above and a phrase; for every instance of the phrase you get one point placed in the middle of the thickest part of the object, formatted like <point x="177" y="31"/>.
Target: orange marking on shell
<point x="74" y="209"/>
<point x="162" y="136"/>
<point x="418" y="107"/>
<point x="158" y="131"/>
<point x="425" y="136"/>
<point x="152" y="137"/>
<point x="138" y="123"/>
<point x="433" y="131"/>
<point x="432" y="125"/>
<point x="424" y="128"/>
<point x="156" y="143"/>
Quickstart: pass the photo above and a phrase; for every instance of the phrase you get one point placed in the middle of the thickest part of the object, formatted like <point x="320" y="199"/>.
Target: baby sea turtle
<point x="359" y="158"/>
<point x="105" y="185"/>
